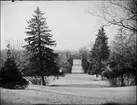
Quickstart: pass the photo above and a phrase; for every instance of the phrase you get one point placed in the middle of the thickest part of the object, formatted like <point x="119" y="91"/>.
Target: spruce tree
<point x="38" y="44"/>
<point x="10" y="75"/>
<point x="100" y="51"/>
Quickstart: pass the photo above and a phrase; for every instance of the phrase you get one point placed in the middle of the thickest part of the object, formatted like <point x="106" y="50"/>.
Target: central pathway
<point x="79" y="79"/>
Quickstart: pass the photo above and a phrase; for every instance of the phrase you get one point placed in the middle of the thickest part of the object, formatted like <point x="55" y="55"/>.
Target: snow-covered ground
<point x="71" y="89"/>
<point x="42" y="96"/>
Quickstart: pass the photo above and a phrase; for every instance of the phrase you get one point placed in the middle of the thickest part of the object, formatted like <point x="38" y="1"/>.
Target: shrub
<point x="85" y="65"/>
<point x="122" y="77"/>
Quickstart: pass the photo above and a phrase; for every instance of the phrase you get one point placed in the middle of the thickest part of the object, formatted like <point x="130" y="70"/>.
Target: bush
<point x="36" y="80"/>
<point x="14" y="84"/>
<point x="122" y="77"/>
<point x="122" y="81"/>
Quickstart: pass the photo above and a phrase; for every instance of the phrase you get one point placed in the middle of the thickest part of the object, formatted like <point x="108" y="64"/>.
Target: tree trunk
<point x="135" y="80"/>
<point x="43" y="81"/>
<point x="96" y="75"/>
<point x="122" y="80"/>
<point x="57" y="77"/>
<point x="102" y="77"/>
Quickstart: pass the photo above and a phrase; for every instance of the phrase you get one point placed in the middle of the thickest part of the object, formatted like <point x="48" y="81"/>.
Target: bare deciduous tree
<point x="120" y="13"/>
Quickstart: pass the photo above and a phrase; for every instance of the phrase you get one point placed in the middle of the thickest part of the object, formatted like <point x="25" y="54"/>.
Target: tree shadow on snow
<point x="79" y="85"/>
<point x="111" y="103"/>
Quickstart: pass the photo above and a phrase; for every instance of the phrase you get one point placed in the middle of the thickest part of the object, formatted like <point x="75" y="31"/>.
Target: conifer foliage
<point x="38" y="45"/>
<point x="100" y="51"/>
<point x="10" y="76"/>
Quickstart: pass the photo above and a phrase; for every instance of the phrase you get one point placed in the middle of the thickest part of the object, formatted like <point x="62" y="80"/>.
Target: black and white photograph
<point x="68" y="52"/>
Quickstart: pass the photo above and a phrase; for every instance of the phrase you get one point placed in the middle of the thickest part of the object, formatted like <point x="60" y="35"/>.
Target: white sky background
<point x="71" y="24"/>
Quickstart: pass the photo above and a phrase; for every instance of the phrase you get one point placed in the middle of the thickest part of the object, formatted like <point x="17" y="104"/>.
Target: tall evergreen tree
<point x="39" y="43"/>
<point x="100" y="51"/>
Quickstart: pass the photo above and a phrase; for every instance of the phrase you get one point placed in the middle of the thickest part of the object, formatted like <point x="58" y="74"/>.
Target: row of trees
<point x="121" y="55"/>
<point x="116" y="63"/>
<point x="84" y="55"/>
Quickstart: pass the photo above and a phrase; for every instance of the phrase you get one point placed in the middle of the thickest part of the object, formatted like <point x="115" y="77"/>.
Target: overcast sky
<point x="71" y="24"/>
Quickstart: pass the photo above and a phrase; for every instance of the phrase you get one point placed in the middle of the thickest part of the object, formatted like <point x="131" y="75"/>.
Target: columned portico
<point x="77" y="68"/>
